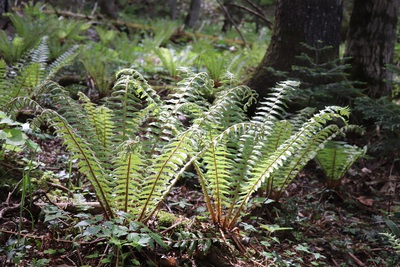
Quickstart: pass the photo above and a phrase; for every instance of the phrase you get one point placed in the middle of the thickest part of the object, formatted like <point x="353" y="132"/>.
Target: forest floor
<point x="310" y="226"/>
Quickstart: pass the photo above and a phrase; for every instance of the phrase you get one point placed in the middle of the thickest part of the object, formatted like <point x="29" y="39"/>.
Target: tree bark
<point x="315" y="23"/>
<point x="193" y="15"/>
<point x="109" y="8"/>
<point x="370" y="44"/>
<point x="3" y="9"/>
<point x="173" y="9"/>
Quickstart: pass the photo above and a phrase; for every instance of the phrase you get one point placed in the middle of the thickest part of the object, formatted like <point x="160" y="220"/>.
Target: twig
<point x="8" y="209"/>
<point x="120" y="23"/>
<point x="232" y="21"/>
<point x="356" y="259"/>
<point x="54" y="239"/>
<point x="72" y="207"/>
<point x="70" y="194"/>
<point x="268" y="23"/>
<point x="12" y="192"/>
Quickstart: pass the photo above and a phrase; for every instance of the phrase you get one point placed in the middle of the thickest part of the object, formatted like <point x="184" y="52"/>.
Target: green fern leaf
<point x="128" y="176"/>
<point x="336" y="158"/>
<point x="164" y="171"/>
<point x="87" y="162"/>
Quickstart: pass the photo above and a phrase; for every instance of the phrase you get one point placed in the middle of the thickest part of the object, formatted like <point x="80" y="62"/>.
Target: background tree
<point x="3" y="9"/>
<point x="370" y="44"/>
<point x="109" y="8"/>
<point x="194" y="13"/>
<point x="315" y="23"/>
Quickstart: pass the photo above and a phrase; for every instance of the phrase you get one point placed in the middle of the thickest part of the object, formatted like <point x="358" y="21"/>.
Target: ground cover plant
<point x="135" y="146"/>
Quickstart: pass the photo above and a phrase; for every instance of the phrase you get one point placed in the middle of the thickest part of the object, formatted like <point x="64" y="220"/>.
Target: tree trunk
<point x="173" y="9"/>
<point x="109" y="8"/>
<point x="315" y="23"/>
<point x="3" y="9"/>
<point x="370" y="44"/>
<point x="193" y="15"/>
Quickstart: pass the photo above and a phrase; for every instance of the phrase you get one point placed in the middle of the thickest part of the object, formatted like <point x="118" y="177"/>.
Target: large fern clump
<point x="135" y="146"/>
<point x="262" y="155"/>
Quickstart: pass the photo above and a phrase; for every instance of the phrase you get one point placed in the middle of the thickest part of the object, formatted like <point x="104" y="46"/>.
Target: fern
<point x="336" y="158"/>
<point x="133" y="148"/>
<point x="27" y="78"/>
<point x="265" y="153"/>
<point x="394" y="236"/>
<point x="23" y="41"/>
<point x="172" y="61"/>
<point x="87" y="162"/>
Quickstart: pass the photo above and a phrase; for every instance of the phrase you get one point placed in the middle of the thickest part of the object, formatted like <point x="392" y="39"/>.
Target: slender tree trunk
<point x="312" y="22"/>
<point x="370" y="44"/>
<point x="173" y="9"/>
<point x="3" y="9"/>
<point x="193" y="15"/>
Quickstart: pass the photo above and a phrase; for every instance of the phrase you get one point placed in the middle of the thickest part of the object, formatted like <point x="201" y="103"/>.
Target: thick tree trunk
<point x="193" y="15"/>
<point x="315" y="23"/>
<point x="370" y="44"/>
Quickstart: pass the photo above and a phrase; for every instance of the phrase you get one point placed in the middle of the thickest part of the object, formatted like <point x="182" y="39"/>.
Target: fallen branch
<point x="54" y="239"/>
<point x="91" y="207"/>
<point x="120" y="24"/>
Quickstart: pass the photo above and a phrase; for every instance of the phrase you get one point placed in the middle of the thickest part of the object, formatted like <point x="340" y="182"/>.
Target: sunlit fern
<point x="265" y="153"/>
<point x="135" y="147"/>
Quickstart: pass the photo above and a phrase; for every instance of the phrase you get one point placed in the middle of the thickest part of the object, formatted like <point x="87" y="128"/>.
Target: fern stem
<point x="127" y="179"/>
<point x="205" y="192"/>
<point x="218" y="206"/>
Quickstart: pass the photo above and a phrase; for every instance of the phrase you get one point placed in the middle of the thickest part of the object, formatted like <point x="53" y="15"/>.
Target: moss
<point x="166" y="219"/>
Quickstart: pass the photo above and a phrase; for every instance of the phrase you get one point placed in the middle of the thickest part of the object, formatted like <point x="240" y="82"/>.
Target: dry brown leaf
<point x="366" y="201"/>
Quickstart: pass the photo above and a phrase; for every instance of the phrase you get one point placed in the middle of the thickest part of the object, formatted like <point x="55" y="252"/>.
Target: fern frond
<point x="272" y="107"/>
<point x="41" y="53"/>
<point x="336" y="158"/>
<point x="226" y="110"/>
<point x="5" y="85"/>
<point x="62" y="61"/>
<point x="101" y="121"/>
<point x="164" y="171"/>
<point x="393" y="240"/>
<point x="269" y="165"/>
<point x="129" y="92"/>
<point x="88" y="164"/>
<point x="218" y="166"/>
<point x="13" y="107"/>
<point x="128" y="175"/>
<point x="285" y="175"/>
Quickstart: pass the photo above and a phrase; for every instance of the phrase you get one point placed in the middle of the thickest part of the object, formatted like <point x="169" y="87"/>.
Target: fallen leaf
<point x="366" y="201"/>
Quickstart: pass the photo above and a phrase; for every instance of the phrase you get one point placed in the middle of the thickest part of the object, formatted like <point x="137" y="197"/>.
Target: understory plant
<point x="336" y="158"/>
<point x="26" y="78"/>
<point x="385" y="115"/>
<point x="135" y="146"/>
<point x="262" y="155"/>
